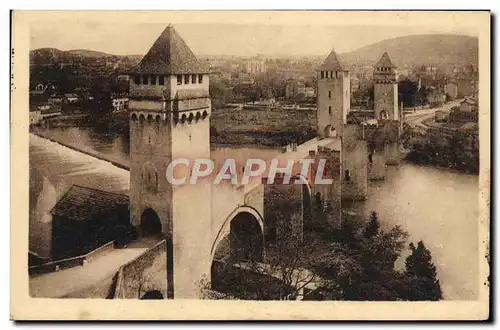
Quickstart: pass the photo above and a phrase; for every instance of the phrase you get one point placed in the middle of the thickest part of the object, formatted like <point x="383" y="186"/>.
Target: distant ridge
<point x="444" y="49"/>
<point x="429" y="49"/>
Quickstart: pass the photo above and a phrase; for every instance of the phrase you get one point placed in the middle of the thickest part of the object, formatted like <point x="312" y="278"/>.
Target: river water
<point x="437" y="206"/>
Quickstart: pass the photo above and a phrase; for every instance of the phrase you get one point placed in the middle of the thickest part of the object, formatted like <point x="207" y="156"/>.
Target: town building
<point x="255" y="66"/>
<point x="120" y="104"/>
<point x="451" y="90"/>
<point x="85" y="219"/>
<point x="466" y="87"/>
<point x="71" y="98"/>
<point x="468" y="105"/>
<point x="441" y="116"/>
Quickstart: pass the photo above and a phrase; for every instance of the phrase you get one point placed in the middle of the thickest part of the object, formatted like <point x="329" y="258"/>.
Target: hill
<point x="54" y="55"/>
<point x="88" y="53"/>
<point x="429" y="49"/>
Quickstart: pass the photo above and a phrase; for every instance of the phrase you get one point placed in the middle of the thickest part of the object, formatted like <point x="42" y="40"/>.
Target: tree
<point x="361" y="267"/>
<point x="282" y="273"/>
<point x="421" y="274"/>
<point x="373" y="227"/>
<point x="408" y="92"/>
<point x="101" y="104"/>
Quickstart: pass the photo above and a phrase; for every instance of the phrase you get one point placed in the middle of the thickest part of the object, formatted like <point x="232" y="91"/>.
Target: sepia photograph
<point x="266" y="158"/>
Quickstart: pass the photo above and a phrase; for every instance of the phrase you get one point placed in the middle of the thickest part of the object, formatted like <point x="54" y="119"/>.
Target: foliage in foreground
<point x="354" y="262"/>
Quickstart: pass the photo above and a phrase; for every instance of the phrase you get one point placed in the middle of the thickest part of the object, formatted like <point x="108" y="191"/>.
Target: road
<point x="61" y="283"/>
<point x="417" y="118"/>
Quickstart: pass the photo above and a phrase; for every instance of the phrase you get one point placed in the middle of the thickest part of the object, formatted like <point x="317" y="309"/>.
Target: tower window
<point x="200" y="78"/>
<point x="186" y="79"/>
<point x="193" y="79"/>
<point x="145" y="80"/>
<point x="326" y="74"/>
<point x="330" y="94"/>
<point x="330" y="109"/>
<point x="161" y="80"/>
<point x="179" y="79"/>
<point x="347" y="176"/>
<point x="153" y="79"/>
<point x="137" y="79"/>
<point x="322" y="74"/>
<point x="331" y="74"/>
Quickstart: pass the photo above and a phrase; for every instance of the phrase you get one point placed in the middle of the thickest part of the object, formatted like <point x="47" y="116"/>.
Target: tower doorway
<point x="150" y="223"/>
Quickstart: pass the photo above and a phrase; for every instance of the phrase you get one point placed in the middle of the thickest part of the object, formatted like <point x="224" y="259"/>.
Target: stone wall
<point x="354" y="164"/>
<point x="148" y="272"/>
<point x="329" y="195"/>
<point x="376" y="165"/>
<point x="283" y="211"/>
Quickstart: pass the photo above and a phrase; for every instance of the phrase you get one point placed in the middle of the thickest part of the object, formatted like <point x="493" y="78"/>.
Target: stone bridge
<point x="238" y="220"/>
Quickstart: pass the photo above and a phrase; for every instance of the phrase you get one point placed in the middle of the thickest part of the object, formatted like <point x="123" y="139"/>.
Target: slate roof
<point x="469" y="101"/>
<point x="385" y="62"/>
<point x="331" y="62"/>
<point x="83" y="203"/>
<point x="169" y="55"/>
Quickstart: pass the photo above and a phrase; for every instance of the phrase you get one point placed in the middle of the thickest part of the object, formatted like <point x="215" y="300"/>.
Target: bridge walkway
<point x="66" y="281"/>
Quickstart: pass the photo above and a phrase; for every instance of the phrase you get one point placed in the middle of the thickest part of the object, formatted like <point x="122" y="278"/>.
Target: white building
<point x="120" y="103"/>
<point x="255" y="66"/>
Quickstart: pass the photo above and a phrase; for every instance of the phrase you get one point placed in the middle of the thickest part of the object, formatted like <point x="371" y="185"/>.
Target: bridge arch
<point x="241" y="219"/>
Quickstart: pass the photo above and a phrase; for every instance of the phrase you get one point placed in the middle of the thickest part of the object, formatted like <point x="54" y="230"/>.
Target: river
<point x="437" y="206"/>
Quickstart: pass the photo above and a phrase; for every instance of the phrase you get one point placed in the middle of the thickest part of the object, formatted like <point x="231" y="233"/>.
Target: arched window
<point x="330" y="109"/>
<point x="347" y="176"/>
<point x="145" y="79"/>
<point x="318" y="198"/>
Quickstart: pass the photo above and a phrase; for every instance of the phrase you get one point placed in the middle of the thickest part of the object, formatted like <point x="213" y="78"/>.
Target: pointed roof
<point x="385" y="62"/>
<point x="169" y="55"/>
<point x="331" y="62"/>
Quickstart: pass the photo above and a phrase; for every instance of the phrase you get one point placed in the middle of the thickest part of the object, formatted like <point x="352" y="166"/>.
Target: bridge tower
<point x="333" y="97"/>
<point x="169" y="111"/>
<point x="385" y="89"/>
<point x="386" y="106"/>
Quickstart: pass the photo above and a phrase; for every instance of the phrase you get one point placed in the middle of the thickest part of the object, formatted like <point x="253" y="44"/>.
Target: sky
<point x="242" y="39"/>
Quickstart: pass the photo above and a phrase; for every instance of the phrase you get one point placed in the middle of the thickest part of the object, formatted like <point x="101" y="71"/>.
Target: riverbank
<point x="458" y="151"/>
